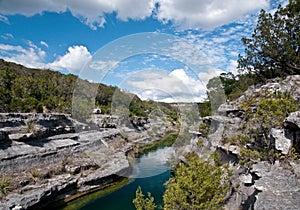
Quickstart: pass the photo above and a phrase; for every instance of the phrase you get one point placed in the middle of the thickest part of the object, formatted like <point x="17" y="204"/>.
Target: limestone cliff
<point x="45" y="158"/>
<point x="259" y="135"/>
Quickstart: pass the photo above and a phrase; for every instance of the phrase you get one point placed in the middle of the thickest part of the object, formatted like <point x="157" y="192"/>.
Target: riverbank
<point x="139" y="150"/>
<point x="80" y="200"/>
<point x="44" y="161"/>
<point x="153" y="172"/>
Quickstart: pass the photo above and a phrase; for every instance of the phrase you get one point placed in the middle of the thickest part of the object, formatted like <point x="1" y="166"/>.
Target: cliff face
<point x="49" y="157"/>
<point x="44" y="160"/>
<point x="259" y="134"/>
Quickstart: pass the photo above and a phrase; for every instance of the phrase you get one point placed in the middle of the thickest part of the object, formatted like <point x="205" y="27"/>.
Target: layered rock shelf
<point x="258" y="181"/>
<point x="46" y="158"/>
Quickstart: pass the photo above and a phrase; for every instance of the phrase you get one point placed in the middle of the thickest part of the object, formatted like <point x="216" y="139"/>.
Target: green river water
<point x="150" y="172"/>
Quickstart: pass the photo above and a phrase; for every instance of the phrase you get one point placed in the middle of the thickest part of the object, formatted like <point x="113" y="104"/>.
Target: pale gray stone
<point x="282" y="143"/>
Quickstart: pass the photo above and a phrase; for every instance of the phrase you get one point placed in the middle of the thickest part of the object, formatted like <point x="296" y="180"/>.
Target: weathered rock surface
<point x="52" y="162"/>
<point x="263" y="185"/>
<point x="29" y="126"/>
<point x="292" y="129"/>
<point x="279" y="188"/>
<point x="3" y="136"/>
<point x="290" y="84"/>
<point x="293" y="120"/>
<point x="282" y="143"/>
<point x="246" y="178"/>
<point x="50" y="157"/>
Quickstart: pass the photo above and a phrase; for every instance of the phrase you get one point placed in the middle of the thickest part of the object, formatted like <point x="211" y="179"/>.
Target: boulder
<point x="246" y="179"/>
<point x="293" y="120"/>
<point x="292" y="129"/>
<point x="234" y="149"/>
<point x="282" y="143"/>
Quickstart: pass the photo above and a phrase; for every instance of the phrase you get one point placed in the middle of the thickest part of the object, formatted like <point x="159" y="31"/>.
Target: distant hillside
<point x="33" y="90"/>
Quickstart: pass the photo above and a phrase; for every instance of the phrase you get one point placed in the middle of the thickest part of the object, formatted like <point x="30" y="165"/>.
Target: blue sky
<point x="71" y="36"/>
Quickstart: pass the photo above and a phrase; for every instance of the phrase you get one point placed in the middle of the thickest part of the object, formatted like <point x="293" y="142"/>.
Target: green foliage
<point x="229" y="86"/>
<point x="273" y="49"/>
<point x="200" y="142"/>
<point x="137" y="107"/>
<point x="30" y="126"/>
<point x="204" y="129"/>
<point x="242" y="82"/>
<point x="169" y="110"/>
<point x="28" y="90"/>
<point x="229" y="82"/>
<point x="5" y="187"/>
<point x="238" y="139"/>
<point x="142" y="203"/>
<point x="197" y="184"/>
<point x="273" y="111"/>
<point x="270" y="112"/>
<point x="262" y="114"/>
<point x="293" y="154"/>
<point x="204" y="109"/>
<point x="248" y="157"/>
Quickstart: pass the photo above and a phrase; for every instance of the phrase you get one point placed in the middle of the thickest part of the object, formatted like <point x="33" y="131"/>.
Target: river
<point x="150" y="172"/>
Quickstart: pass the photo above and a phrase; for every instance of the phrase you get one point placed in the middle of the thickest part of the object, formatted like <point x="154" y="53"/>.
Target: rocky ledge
<point x="45" y="158"/>
<point x="265" y="163"/>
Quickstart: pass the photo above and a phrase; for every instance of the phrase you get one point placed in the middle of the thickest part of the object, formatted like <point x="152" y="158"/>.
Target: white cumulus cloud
<point x="32" y="56"/>
<point x="174" y="86"/>
<point x="207" y="14"/>
<point x="233" y="67"/>
<point x="74" y="60"/>
<point x="183" y="13"/>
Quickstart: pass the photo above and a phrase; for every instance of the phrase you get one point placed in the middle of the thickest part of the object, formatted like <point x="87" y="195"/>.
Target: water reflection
<point x="153" y="163"/>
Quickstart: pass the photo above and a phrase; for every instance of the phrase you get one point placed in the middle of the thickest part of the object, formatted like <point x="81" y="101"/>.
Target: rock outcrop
<point x="279" y="187"/>
<point x="45" y="160"/>
<point x="51" y="157"/>
<point x="256" y="184"/>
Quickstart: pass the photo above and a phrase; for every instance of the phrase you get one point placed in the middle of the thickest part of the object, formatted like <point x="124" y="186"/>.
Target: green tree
<point x="197" y="184"/>
<point x="229" y="82"/>
<point x="142" y="203"/>
<point x="274" y="48"/>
